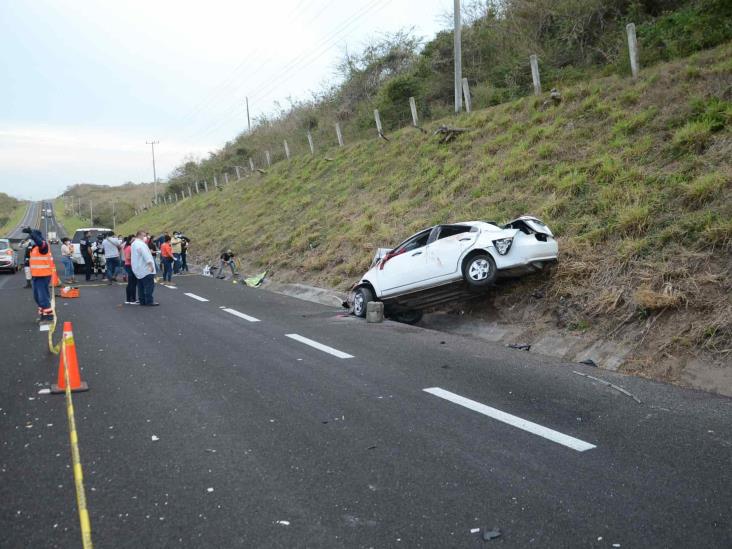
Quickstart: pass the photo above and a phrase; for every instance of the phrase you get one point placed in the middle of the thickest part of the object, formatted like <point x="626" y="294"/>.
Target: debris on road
<point x="491" y="534"/>
<point x="155" y="438"/>
<point x="209" y="490"/>
<point x="519" y="346"/>
<point x="616" y="387"/>
<point x="283" y="522"/>
<point x="588" y="362"/>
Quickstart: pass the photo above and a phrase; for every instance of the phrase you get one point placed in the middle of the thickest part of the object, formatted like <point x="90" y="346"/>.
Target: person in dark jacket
<point x="85" y="247"/>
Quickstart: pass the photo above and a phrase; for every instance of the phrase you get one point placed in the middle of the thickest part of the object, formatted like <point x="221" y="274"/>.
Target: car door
<point x="445" y="250"/>
<point x="403" y="268"/>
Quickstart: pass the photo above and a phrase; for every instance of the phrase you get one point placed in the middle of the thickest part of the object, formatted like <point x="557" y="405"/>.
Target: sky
<point x="85" y="83"/>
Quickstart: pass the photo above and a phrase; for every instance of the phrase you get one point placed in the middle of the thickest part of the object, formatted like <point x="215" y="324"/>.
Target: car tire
<point x="361" y="297"/>
<point x="408" y="317"/>
<point x="479" y="271"/>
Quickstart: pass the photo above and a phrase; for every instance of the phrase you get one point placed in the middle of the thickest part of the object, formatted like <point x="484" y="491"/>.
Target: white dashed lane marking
<point x="196" y="297"/>
<point x="240" y="315"/>
<point x="534" y="428"/>
<point x="319" y="346"/>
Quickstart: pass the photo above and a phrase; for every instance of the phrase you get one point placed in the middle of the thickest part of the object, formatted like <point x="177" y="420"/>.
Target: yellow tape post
<point x="84" y="521"/>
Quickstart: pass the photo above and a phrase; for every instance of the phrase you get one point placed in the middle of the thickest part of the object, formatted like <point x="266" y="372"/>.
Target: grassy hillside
<point x="125" y="198"/>
<point x="11" y="212"/>
<point x="634" y="177"/>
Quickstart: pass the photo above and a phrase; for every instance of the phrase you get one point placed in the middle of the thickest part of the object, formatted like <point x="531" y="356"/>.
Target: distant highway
<point x="31" y="218"/>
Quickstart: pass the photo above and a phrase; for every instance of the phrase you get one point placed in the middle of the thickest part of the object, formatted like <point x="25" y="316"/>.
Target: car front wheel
<point x="480" y="271"/>
<point x="360" y="298"/>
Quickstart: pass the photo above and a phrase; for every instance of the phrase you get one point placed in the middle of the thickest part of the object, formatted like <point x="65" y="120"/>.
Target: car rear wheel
<point x="361" y="297"/>
<point x="480" y="271"/>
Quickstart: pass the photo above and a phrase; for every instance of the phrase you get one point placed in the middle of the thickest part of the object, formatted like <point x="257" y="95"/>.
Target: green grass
<point x="12" y="217"/>
<point x="70" y="222"/>
<point x="632" y="168"/>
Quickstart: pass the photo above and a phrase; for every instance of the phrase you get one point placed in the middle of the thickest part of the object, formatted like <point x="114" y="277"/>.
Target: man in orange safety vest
<point x="41" y="269"/>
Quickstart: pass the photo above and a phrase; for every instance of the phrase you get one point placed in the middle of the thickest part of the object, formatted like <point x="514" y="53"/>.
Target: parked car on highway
<point x="8" y="257"/>
<point x="447" y="262"/>
<point x="78" y="235"/>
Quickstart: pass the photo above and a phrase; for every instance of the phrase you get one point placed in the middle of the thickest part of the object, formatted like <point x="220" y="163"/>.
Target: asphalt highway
<point x="32" y="218"/>
<point x="235" y="417"/>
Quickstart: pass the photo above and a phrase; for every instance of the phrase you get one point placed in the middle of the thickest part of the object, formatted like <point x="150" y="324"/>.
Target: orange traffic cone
<point x="68" y="357"/>
<point x="55" y="282"/>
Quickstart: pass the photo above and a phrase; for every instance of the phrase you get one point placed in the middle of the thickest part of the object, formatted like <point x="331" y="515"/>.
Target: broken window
<point x="417" y="241"/>
<point x="452" y="230"/>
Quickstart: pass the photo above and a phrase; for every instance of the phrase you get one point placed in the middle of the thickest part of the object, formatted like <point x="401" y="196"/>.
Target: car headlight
<point x="503" y="245"/>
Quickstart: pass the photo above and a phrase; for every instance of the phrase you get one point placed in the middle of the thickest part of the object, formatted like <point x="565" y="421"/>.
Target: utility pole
<point x="458" y="59"/>
<point x="249" y="123"/>
<point x="155" y="176"/>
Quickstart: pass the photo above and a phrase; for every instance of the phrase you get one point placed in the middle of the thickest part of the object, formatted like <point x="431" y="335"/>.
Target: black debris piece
<point x="588" y="362"/>
<point x="372" y="447"/>
<point x="519" y="346"/>
<point x="537" y="294"/>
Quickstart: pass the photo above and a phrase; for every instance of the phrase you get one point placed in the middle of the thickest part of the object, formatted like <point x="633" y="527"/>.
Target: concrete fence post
<point x="190" y="193"/>
<point x="251" y="165"/>
<point x="339" y="134"/>
<point x="287" y="149"/>
<point x="226" y="178"/>
<point x="310" y="142"/>
<point x="197" y="191"/>
<point x="377" y="118"/>
<point x="534" y="60"/>
<point x="238" y="174"/>
<point x="632" y="49"/>
<point x="413" y="108"/>
<point x="269" y="159"/>
<point x="205" y="186"/>
<point x="466" y="95"/>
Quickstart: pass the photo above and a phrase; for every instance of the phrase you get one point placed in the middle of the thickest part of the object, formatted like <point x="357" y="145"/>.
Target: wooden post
<point x="466" y="94"/>
<point x="339" y="134"/>
<point x="287" y="149"/>
<point x="413" y="108"/>
<point x="238" y="174"/>
<point x="226" y="178"/>
<point x="310" y="142"/>
<point x="269" y="159"/>
<point x="632" y="49"/>
<point x="534" y="60"/>
<point x="251" y="165"/>
<point x="377" y="118"/>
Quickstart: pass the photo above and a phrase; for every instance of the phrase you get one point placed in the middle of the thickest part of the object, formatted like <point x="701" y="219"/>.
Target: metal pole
<point x="155" y="176"/>
<point x="458" y="58"/>
<point x="249" y="122"/>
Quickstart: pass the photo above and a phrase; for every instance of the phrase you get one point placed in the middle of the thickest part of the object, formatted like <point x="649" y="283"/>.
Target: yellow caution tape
<point x="84" y="521"/>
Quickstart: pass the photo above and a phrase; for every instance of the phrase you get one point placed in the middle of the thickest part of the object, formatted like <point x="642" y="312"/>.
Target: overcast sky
<point x="86" y="82"/>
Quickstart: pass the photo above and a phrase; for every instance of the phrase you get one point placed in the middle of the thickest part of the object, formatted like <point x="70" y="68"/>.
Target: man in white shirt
<point x="143" y="265"/>
<point x="111" y="247"/>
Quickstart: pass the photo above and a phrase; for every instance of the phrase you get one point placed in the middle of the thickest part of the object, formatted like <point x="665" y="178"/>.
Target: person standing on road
<point x="131" y="290"/>
<point x="143" y="267"/>
<point x="27" y="245"/>
<point x="85" y="248"/>
<point x="111" y="247"/>
<point x="167" y="259"/>
<point x="66" y="253"/>
<point x="184" y="253"/>
<point x="41" y="267"/>
<point x="176" y="243"/>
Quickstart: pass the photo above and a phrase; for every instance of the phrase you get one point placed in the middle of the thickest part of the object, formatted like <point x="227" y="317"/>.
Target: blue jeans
<point x="112" y="267"/>
<point x="131" y="285"/>
<point x="42" y="291"/>
<point x="167" y="269"/>
<point x="145" y="288"/>
<point x="68" y="267"/>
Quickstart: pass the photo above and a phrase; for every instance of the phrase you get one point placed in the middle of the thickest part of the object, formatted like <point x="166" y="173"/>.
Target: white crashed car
<point x="448" y="262"/>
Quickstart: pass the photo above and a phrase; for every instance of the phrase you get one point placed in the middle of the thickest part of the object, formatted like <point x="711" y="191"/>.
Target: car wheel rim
<point x="479" y="270"/>
<point x="358" y="303"/>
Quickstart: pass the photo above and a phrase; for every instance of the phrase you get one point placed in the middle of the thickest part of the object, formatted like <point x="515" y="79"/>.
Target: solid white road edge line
<point x="534" y="428"/>
<point x="319" y="346"/>
<point x="196" y="297"/>
<point x="240" y="315"/>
